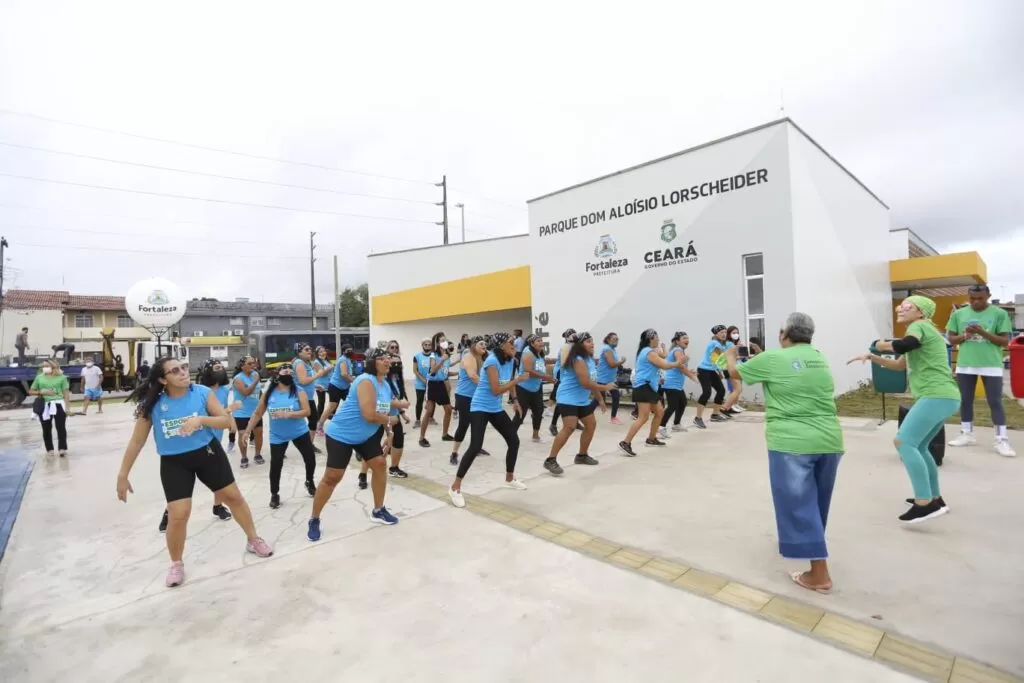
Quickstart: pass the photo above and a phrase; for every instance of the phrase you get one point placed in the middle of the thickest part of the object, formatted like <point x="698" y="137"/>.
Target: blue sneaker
<point x="381" y="516"/>
<point x="313" y="534"/>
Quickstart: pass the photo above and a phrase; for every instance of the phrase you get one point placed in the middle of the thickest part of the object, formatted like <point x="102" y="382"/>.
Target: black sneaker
<point x="920" y="513"/>
<point x="221" y="512"/>
<point x="316" y="449"/>
<point x="627" y="448"/>
<point x="554" y="430"/>
<point x="447" y="437"/>
<point x="635" y="415"/>
<point x="718" y="418"/>
<point x="275" y="501"/>
<point x="698" y="422"/>
<point x="244" y="463"/>
<point x="362" y="481"/>
<point x="424" y="443"/>
<point x="727" y="416"/>
<point x="483" y="452"/>
<point x="259" y="459"/>
<point x="729" y="412"/>
<point x="942" y="503"/>
<point x="552" y="466"/>
<point x="163" y="523"/>
<point x="653" y="442"/>
<point x="310" y="488"/>
<point x="453" y="459"/>
<point x="398" y="473"/>
<point x="584" y="459"/>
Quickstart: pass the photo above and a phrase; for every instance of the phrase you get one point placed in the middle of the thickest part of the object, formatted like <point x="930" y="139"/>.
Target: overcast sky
<point x="921" y="100"/>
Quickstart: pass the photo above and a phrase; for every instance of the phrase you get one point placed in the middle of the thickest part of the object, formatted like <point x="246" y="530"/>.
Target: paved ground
<point x="449" y="594"/>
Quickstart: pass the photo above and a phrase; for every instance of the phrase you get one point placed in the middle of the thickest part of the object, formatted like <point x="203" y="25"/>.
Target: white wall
<point x="842" y="246"/>
<point x="46" y="329"/>
<point x="398" y="271"/>
<point x="899" y="245"/>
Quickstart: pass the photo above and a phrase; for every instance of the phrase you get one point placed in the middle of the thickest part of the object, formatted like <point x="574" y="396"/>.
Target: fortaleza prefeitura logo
<point x="606" y="251"/>
<point x="158" y="303"/>
<point x="670" y="256"/>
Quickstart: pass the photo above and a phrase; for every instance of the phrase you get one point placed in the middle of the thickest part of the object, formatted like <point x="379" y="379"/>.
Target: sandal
<point x="798" y="579"/>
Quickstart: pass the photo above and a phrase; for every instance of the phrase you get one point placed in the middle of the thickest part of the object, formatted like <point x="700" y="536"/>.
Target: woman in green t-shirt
<point x="52" y="385"/>
<point x="937" y="395"/>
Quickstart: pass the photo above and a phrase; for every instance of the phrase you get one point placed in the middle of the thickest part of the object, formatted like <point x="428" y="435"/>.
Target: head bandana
<point x="924" y="304"/>
<point x="568" y="333"/>
<point x="582" y="337"/>
<point x="678" y="335"/>
<point x="499" y="338"/>
<point x="717" y="328"/>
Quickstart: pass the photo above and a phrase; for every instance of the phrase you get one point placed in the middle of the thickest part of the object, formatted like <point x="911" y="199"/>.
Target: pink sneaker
<point x="176" y="574"/>
<point x="258" y="547"/>
<point x="616" y="421"/>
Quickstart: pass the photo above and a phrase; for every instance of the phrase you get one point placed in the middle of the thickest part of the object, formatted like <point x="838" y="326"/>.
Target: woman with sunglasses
<point x="394" y="441"/>
<point x="530" y="392"/>
<point x="359" y="426"/>
<point x="472" y="359"/>
<point x="322" y="362"/>
<point x="247" y="387"/>
<point x="307" y="376"/>
<point x="182" y="417"/>
<point x="437" y="388"/>
<point x="650" y="358"/>
<point x="397" y="375"/>
<point x="215" y="378"/>
<point x="485" y="408"/>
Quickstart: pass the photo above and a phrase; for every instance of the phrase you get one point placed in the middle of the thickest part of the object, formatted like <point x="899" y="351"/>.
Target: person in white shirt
<point x="92" y="383"/>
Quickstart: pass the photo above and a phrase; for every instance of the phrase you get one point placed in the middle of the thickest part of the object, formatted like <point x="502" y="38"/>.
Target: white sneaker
<point x="679" y="428"/>
<point x="515" y="484"/>
<point x="538" y="439"/>
<point x="1004" y="449"/>
<point x="663" y="433"/>
<point x="965" y="439"/>
<point x="457" y="499"/>
<point x="738" y="408"/>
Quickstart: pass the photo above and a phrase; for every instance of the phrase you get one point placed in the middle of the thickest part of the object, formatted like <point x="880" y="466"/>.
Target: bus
<point x="272" y="349"/>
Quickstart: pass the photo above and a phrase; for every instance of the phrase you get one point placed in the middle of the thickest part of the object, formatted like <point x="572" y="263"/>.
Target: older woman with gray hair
<point x="804" y="442"/>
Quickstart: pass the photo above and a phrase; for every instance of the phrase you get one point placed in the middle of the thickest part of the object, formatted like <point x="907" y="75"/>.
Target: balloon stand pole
<point x="882" y="421"/>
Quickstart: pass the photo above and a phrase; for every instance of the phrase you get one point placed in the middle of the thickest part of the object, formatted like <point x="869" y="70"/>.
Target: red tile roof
<point x="36" y="299"/>
<point x="95" y="303"/>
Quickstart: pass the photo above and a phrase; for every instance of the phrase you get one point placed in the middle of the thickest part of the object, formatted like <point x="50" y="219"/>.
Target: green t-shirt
<point x="930" y="375"/>
<point x="56" y="383"/>
<point x="976" y="351"/>
<point x="799" y="400"/>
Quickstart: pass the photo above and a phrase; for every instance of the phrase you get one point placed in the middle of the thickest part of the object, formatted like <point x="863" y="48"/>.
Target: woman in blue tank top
<point x="608" y="364"/>
<point x="675" y="378"/>
<point x="530" y="392"/>
<point x="182" y="417"/>
<point x="485" y="408"/>
<point x="306" y="377"/>
<point x="441" y="362"/>
<point x="247" y="387"/>
<point x="338" y="382"/>
<point x="471" y="360"/>
<point x="394" y="438"/>
<point x="650" y="358"/>
<point x="215" y="378"/>
<point x="288" y="410"/>
<point x="578" y="384"/>
<point x="322" y="363"/>
<point x="359" y="426"/>
<point x="710" y="372"/>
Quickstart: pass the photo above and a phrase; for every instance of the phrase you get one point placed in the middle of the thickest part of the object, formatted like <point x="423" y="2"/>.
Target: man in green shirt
<point x="804" y="442"/>
<point x="982" y="331"/>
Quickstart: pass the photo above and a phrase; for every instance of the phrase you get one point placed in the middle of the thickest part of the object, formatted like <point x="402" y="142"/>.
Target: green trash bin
<point x="886" y="381"/>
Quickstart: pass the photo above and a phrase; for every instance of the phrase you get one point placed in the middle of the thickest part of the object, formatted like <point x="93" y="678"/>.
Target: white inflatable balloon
<point x="155" y="303"/>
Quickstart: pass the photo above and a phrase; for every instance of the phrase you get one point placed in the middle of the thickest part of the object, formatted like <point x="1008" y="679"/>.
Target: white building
<point x="741" y="231"/>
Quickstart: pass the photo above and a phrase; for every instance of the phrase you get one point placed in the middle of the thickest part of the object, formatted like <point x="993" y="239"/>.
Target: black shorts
<point x="209" y="464"/>
<point x="437" y="392"/>
<point x="243" y="422"/>
<point x="398" y="436"/>
<point x="644" y="394"/>
<point x="336" y="395"/>
<point x="340" y="454"/>
<point x="581" y="412"/>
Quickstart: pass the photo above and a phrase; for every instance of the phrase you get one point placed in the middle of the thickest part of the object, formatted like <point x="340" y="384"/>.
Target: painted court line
<point x="888" y="648"/>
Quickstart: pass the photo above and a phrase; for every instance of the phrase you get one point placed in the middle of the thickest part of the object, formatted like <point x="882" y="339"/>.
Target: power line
<point x="485" y="198"/>
<point x="137" y="136"/>
<point x="212" y="200"/>
<point x="45" y="229"/>
<point x="211" y="175"/>
<point x="144" y="219"/>
<point x="60" y="247"/>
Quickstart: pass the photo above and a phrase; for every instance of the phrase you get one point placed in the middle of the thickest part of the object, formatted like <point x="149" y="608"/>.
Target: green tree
<point x="355" y="306"/>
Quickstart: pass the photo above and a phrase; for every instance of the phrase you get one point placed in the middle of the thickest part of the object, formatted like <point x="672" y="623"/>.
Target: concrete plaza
<point x="663" y="566"/>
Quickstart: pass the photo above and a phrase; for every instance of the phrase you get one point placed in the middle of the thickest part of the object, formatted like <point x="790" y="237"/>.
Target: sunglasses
<point x="177" y="370"/>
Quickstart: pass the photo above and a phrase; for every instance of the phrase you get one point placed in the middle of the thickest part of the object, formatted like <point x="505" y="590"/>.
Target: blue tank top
<point x="393" y="385"/>
<point x="465" y="386"/>
<point x="484" y="401"/>
<point x="442" y="372"/>
<point x="348" y="425"/>
<point x="570" y="391"/>
<point x="170" y="413"/>
<point x="283" y="430"/>
<point x="308" y="389"/>
<point x="605" y="373"/>
<point x="533" y="384"/>
<point x="674" y="378"/>
<point x="646" y="372"/>
<point x="712" y="353"/>
<point x="422" y="361"/>
<point x="222" y="397"/>
<point x="336" y="378"/>
<point x="322" y="365"/>
<point x="249" y="402"/>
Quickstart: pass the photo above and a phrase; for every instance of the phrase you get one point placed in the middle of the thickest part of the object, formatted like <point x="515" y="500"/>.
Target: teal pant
<point x="919" y="427"/>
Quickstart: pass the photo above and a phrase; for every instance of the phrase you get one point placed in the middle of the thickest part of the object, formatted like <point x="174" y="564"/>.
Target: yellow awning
<point x="944" y="270"/>
<point x="212" y="341"/>
<point x="498" y="291"/>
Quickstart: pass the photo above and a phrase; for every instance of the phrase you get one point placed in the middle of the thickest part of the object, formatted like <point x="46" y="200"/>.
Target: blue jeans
<point x="802" y="493"/>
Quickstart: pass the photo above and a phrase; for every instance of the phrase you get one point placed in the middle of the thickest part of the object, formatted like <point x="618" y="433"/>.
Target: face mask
<point x="221" y="377"/>
<point x="286" y="380"/>
<point x="613" y="344"/>
<point x="88" y="364"/>
<point x="47" y="371"/>
<point x="735" y="336"/>
<point x="443" y="345"/>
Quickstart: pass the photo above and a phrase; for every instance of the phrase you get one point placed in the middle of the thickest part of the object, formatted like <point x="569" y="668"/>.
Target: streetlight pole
<point x="462" y="213"/>
<point x="3" y="245"/>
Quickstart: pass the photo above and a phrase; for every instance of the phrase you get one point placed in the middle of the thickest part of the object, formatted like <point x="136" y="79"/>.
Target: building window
<point x="125" y="320"/>
<point x="257" y="321"/>
<point x="83" y="319"/>
<point x="273" y="322"/>
<point x="237" y="321"/>
<point x="753" y="297"/>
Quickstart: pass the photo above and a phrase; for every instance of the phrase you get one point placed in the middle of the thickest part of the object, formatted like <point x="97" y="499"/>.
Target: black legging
<point x="710" y="379"/>
<point x="60" y="417"/>
<point x="615" y="395"/>
<point x="321" y="399"/>
<point x="676" y="401"/>
<point x="314" y="416"/>
<point x="420" y="395"/>
<point x="478" y="425"/>
<point x="462" y="404"/>
<point x="305" y="446"/>
<point x="532" y="401"/>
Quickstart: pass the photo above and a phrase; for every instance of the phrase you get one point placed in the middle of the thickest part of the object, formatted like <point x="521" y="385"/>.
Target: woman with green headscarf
<point x="937" y="395"/>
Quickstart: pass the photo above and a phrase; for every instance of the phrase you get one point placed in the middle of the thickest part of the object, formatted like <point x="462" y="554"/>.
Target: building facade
<point x="741" y="231"/>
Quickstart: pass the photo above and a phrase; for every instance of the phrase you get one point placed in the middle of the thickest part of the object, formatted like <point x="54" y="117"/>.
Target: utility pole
<point x="3" y="245"/>
<point x="312" y="279"/>
<point x="462" y="220"/>
<point x="337" y="313"/>
<point x="444" y="205"/>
